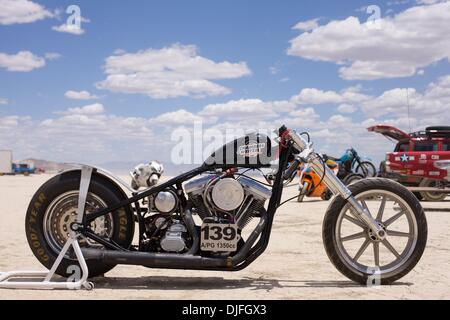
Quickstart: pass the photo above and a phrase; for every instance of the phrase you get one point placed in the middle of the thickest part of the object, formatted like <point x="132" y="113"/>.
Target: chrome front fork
<point x="334" y="184"/>
<point x="338" y="188"/>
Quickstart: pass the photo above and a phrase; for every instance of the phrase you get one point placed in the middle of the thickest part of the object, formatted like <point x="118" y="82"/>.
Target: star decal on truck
<point x="404" y="158"/>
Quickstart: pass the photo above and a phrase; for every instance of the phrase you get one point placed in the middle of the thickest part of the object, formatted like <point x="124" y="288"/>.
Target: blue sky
<point x="253" y="37"/>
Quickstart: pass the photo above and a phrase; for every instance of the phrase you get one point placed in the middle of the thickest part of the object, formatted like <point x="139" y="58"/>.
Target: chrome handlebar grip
<point x="298" y="140"/>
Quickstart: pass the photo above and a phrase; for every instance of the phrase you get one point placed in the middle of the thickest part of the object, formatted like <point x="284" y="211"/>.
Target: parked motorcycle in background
<point x="311" y="184"/>
<point x="353" y="168"/>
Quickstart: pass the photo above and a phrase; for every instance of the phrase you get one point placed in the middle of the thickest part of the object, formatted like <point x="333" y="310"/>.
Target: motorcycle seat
<point x="327" y="157"/>
<point x="332" y="165"/>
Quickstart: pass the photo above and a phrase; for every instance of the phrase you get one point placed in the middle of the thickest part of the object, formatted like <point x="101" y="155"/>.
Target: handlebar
<point x="299" y="142"/>
<point x="308" y="155"/>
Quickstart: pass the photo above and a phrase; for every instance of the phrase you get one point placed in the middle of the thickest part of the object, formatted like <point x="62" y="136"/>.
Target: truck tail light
<point x="444" y="165"/>
<point x="388" y="166"/>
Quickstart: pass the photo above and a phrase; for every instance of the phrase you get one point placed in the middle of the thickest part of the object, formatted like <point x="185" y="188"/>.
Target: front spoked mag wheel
<point x="352" y="246"/>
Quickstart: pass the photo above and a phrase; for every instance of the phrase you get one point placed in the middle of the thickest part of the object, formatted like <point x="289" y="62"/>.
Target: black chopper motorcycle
<point x="373" y="227"/>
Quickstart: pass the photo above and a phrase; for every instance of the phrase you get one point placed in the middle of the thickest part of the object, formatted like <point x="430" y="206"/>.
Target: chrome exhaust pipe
<point x="154" y="260"/>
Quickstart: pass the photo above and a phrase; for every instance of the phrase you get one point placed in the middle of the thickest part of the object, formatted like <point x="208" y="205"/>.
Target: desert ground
<point x="295" y="266"/>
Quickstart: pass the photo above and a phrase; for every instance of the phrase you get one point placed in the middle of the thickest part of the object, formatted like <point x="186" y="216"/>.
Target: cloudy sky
<point x="116" y="88"/>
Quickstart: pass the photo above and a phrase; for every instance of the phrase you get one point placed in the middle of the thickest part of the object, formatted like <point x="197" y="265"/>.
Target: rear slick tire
<point x="386" y="273"/>
<point x="58" y="198"/>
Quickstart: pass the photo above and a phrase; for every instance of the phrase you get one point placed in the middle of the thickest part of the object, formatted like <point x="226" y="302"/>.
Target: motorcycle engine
<point x="223" y="199"/>
<point x="227" y="198"/>
<point x="165" y="230"/>
<point x="173" y="239"/>
<point x="166" y="233"/>
<point x="227" y="194"/>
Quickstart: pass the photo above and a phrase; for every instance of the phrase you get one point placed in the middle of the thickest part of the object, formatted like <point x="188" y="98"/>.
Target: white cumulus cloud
<point x="23" y="61"/>
<point x="92" y="109"/>
<point x="69" y="28"/>
<point x="80" y="95"/>
<point x="174" y="71"/>
<point x="404" y="43"/>
<point x="347" y="108"/>
<point x="316" y="96"/>
<point x="429" y="1"/>
<point x="307" y="25"/>
<point x="246" y="109"/>
<point x="179" y="117"/>
<point x="52" y="56"/>
<point x="22" y="11"/>
<point x="430" y="106"/>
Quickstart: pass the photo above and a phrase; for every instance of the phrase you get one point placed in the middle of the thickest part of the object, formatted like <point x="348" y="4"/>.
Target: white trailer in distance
<point x="5" y="162"/>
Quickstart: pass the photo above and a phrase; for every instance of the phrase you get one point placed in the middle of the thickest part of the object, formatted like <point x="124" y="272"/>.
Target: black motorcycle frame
<point x="175" y="261"/>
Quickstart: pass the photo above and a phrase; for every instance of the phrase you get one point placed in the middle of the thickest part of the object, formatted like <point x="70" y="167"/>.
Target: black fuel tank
<point x="251" y="151"/>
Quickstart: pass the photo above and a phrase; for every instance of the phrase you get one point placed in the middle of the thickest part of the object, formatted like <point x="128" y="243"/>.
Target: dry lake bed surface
<point x="295" y="266"/>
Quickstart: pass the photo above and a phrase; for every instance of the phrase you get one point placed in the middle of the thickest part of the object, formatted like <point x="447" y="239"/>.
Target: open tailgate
<point x="390" y="132"/>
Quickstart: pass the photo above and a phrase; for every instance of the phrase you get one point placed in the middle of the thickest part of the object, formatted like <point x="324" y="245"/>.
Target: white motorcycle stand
<point x="42" y="279"/>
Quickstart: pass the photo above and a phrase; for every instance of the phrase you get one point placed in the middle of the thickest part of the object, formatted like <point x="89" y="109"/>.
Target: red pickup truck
<point x="420" y="159"/>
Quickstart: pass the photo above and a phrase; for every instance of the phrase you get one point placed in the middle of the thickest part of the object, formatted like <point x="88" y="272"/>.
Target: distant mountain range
<point x="117" y="167"/>
<point x="47" y="166"/>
